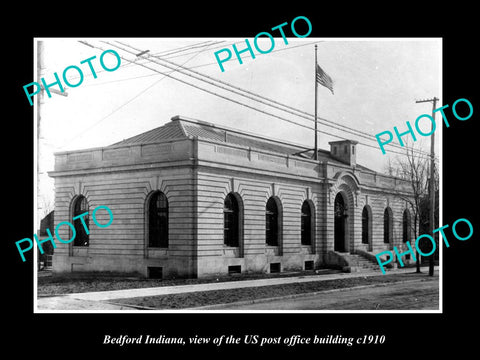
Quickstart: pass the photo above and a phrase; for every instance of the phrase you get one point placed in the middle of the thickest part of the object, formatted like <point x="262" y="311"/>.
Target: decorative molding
<point x="232" y="151"/>
<point x="330" y="192"/>
<point x="272" y="158"/>
<point x="156" y="183"/>
<point x="356" y="193"/>
<point x="79" y="187"/>
<point x="234" y="185"/>
<point x="155" y="149"/>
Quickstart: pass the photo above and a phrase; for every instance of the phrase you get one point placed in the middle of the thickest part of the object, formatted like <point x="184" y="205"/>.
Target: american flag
<point x="324" y="79"/>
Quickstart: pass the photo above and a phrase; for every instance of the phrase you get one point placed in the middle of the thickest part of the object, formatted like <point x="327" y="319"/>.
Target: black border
<point x="407" y="334"/>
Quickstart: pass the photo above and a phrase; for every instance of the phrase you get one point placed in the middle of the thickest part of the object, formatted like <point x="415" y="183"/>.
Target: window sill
<point x="80" y="250"/>
<point x="231" y="251"/>
<point x="157" y="252"/>
<point x="272" y="250"/>
<point x="306" y="249"/>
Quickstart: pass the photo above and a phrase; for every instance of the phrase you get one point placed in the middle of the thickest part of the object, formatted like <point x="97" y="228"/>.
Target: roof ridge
<point x="182" y="128"/>
<point x="150" y="135"/>
<point x="180" y="118"/>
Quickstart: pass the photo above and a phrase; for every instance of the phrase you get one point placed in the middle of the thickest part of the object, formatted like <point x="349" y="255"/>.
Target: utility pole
<point x="315" y="154"/>
<point x="41" y="143"/>
<point x="40" y="68"/>
<point x="431" y="187"/>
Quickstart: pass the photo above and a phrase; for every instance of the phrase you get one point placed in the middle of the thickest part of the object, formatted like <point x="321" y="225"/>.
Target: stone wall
<point x="122" y="247"/>
<point x="196" y="176"/>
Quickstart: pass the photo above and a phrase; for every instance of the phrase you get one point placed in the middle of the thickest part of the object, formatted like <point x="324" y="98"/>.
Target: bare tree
<point x="414" y="168"/>
<point x="46" y="206"/>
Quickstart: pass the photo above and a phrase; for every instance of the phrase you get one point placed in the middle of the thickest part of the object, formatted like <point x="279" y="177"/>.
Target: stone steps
<point x="359" y="263"/>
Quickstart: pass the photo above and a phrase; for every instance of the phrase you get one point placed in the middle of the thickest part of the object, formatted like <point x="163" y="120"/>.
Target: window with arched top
<point x="365" y="226"/>
<point x="387" y="225"/>
<point x="79" y="207"/>
<point x="406" y="226"/>
<point x="158" y="220"/>
<point x="306" y="224"/>
<point x="231" y="221"/>
<point x="272" y="222"/>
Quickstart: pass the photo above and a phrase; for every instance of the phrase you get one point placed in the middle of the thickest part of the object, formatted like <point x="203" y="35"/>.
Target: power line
<point x="248" y="55"/>
<point x="115" y="110"/>
<point x="186" y="48"/>
<point x="235" y="101"/>
<point x="257" y="97"/>
<point x="179" y="55"/>
<point x="246" y="105"/>
<point x="288" y="108"/>
<point x="127" y="102"/>
<point x="143" y="76"/>
<point x="189" y="48"/>
<point x="188" y="68"/>
<point x="213" y="93"/>
<point x="139" y="59"/>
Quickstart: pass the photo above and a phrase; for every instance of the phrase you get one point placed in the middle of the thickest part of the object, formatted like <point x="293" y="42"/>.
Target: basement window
<point x="274" y="268"/>
<point x="309" y="265"/>
<point x="234" y="269"/>
<point x="155" y="272"/>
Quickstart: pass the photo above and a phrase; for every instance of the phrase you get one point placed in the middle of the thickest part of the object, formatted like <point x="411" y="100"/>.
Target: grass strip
<point x="203" y="298"/>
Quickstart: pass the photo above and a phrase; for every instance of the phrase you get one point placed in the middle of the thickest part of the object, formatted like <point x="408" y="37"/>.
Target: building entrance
<point x="340" y="215"/>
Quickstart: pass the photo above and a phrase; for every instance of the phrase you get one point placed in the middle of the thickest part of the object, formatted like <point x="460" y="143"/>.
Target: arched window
<point x="158" y="220"/>
<point x="80" y="206"/>
<point x="306" y="224"/>
<point x="365" y="226"/>
<point x="231" y="221"/>
<point x="340" y="223"/>
<point x="271" y="222"/>
<point x="406" y="226"/>
<point x="387" y="225"/>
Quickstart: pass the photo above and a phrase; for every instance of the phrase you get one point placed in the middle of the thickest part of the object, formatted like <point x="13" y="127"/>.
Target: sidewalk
<point x="95" y="300"/>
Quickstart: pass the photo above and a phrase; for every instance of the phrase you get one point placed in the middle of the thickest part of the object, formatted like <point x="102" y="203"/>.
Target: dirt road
<point x="404" y="296"/>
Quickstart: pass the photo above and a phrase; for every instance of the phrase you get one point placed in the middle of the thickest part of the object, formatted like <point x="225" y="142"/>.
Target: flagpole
<point x="315" y="155"/>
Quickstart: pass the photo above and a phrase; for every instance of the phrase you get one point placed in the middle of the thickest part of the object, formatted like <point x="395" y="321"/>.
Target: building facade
<point x="191" y="199"/>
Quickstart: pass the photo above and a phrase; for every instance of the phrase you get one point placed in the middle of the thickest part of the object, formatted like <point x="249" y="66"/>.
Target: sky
<point x="376" y="84"/>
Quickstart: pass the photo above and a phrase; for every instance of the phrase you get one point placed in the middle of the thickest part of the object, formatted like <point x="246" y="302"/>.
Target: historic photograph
<point x="269" y="174"/>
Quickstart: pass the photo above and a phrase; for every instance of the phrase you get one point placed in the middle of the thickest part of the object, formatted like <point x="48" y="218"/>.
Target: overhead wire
<point x="288" y="108"/>
<point x="124" y="104"/>
<point x="189" y="48"/>
<point x="190" y="67"/>
<point x="185" y="47"/>
<point x="257" y="97"/>
<point x="232" y="100"/>
<point x="129" y="64"/>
